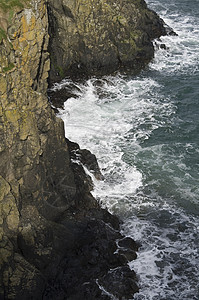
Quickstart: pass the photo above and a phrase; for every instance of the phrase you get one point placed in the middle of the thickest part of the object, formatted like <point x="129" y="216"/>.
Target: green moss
<point x="11" y="14"/>
<point x="2" y="34"/>
<point x="8" y="5"/>
<point x="122" y="20"/>
<point x="8" y="68"/>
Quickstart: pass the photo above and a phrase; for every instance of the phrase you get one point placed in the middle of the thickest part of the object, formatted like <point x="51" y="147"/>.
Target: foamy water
<point x="144" y="132"/>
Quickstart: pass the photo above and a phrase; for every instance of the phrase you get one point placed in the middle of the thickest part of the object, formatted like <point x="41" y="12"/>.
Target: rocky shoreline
<point x="55" y="240"/>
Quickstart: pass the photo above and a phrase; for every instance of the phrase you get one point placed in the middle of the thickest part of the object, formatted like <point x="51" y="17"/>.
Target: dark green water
<point x="144" y="131"/>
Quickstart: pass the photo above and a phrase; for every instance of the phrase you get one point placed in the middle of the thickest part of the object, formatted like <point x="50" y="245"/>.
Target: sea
<point x="144" y="131"/>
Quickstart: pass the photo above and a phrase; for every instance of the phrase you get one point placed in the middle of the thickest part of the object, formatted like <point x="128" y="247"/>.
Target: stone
<point x="3" y="84"/>
<point x="129" y="254"/>
<point x="87" y="158"/>
<point x="120" y="282"/>
<point x="128" y="243"/>
<point x="100" y="37"/>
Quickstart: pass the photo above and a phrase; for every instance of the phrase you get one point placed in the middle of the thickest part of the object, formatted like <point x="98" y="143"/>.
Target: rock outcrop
<point x="55" y="240"/>
<point x="98" y="37"/>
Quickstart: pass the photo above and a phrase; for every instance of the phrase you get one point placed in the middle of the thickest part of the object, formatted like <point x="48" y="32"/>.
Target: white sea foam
<point x="182" y="50"/>
<point x="103" y="125"/>
<point x="168" y="259"/>
<point x="131" y="111"/>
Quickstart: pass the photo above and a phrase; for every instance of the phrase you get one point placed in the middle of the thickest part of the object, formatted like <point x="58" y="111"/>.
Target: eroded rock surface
<point x="98" y="37"/>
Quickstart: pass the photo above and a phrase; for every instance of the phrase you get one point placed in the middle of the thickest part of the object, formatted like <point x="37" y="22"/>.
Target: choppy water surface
<point x="144" y="131"/>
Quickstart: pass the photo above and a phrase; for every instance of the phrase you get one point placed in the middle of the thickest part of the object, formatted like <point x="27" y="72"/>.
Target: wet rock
<point x="128" y="243"/>
<point x="58" y="97"/>
<point x="169" y="30"/>
<point x="87" y="266"/>
<point x="129" y="254"/>
<point x="120" y="282"/>
<point x="163" y="46"/>
<point x="87" y="158"/>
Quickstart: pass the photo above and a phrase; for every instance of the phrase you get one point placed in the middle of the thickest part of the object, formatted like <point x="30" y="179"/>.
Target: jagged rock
<point x="99" y="37"/>
<point x="169" y="30"/>
<point x="89" y="263"/>
<point x="128" y="243"/>
<point x="87" y="159"/>
<point x="120" y="282"/>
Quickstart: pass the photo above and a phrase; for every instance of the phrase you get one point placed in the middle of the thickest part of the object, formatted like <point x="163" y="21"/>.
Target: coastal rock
<point x="86" y="158"/>
<point x="85" y="269"/>
<point x="99" y="37"/>
<point x="123" y="282"/>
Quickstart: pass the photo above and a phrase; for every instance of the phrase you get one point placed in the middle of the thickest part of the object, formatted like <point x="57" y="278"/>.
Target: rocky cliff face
<point x="99" y="37"/>
<point x="55" y="241"/>
<point x="34" y="158"/>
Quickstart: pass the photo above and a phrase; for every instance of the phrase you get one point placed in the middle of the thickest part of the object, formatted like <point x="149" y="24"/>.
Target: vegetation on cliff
<point x="7" y="10"/>
<point x="10" y="4"/>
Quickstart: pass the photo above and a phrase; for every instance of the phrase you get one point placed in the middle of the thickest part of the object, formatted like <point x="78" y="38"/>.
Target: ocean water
<point x="144" y="131"/>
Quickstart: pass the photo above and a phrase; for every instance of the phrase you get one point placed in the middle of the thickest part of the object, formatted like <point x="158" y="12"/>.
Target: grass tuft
<point x="2" y="34"/>
<point x="7" y="5"/>
<point x="8" y="68"/>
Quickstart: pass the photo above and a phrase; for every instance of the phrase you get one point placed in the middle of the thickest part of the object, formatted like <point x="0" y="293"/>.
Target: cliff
<point x="99" y="37"/>
<point x="54" y="238"/>
<point x="34" y="158"/>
